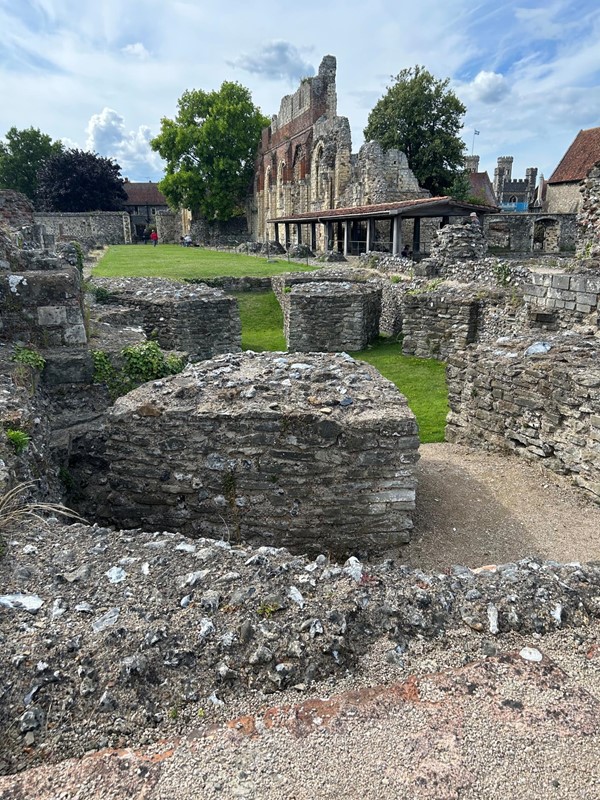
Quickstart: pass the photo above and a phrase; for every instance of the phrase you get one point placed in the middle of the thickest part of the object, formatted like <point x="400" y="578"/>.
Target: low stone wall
<point x="195" y="319"/>
<point x="529" y="232"/>
<point x="565" y="297"/>
<point x="332" y="317"/>
<point x="538" y="399"/>
<point x="316" y="454"/>
<point x="42" y="308"/>
<point x="437" y="324"/>
<point x="92" y="228"/>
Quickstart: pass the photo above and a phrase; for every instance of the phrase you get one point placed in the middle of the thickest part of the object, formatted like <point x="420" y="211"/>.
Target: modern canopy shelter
<point x="348" y="220"/>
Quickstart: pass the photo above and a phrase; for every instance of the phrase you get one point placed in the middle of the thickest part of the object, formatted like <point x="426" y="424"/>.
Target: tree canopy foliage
<point x="420" y="116"/>
<point x="22" y="154"/>
<point x="76" y="180"/>
<point x="210" y="148"/>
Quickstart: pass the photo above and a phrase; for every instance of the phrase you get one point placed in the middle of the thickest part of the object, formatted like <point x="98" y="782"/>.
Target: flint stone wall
<point x="42" y="308"/>
<point x="192" y="318"/>
<point x="90" y="228"/>
<point x="168" y="227"/>
<point x="540" y="400"/>
<point x="437" y="324"/>
<point x="16" y="210"/>
<point x="517" y="232"/>
<point x="588" y="218"/>
<point x="332" y="317"/>
<point x="390" y="319"/>
<point x="314" y="453"/>
<point x="458" y="242"/>
<point x="564" y="297"/>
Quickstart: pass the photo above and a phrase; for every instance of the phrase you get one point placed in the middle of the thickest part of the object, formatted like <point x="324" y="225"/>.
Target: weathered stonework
<point x="92" y="229"/>
<point x="305" y="162"/>
<point x="192" y="318"/>
<point x="569" y="298"/>
<point x="526" y="233"/>
<point x="437" y="324"/>
<point x="538" y="399"/>
<point x="458" y="242"/>
<point x="16" y="210"/>
<point x="588" y="218"/>
<point x="313" y="453"/>
<point x="332" y="317"/>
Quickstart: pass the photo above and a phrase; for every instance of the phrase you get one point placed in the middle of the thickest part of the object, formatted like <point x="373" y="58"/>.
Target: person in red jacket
<point x="154" y="238"/>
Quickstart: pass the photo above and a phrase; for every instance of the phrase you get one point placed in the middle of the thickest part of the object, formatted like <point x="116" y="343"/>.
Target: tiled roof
<point x="579" y="158"/>
<point x="429" y="206"/>
<point x="141" y="194"/>
<point x="481" y="187"/>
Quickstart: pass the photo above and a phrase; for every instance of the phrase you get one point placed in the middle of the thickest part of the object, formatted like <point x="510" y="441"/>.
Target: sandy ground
<point x="477" y="508"/>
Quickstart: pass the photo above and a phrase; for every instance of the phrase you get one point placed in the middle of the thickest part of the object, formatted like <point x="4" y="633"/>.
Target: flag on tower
<point x="476" y="133"/>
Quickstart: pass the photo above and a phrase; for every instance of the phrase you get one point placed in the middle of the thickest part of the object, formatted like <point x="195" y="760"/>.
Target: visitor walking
<point x="154" y="238"/>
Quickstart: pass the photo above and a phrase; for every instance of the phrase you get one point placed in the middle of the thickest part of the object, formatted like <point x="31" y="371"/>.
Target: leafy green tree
<point x="76" y="180"/>
<point x="22" y="154"/>
<point x="210" y="148"/>
<point x="422" y="117"/>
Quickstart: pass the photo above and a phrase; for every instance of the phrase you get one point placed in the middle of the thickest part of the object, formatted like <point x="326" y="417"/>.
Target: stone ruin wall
<point x="565" y="299"/>
<point x="332" y="317"/>
<point x="16" y="210"/>
<point x="546" y="233"/>
<point x="314" y="453"/>
<point x="168" y="227"/>
<point x="435" y="325"/>
<point x="588" y="218"/>
<point x="91" y="228"/>
<point x="540" y="400"/>
<point x="191" y="318"/>
<point x="456" y="243"/>
<point x="390" y="321"/>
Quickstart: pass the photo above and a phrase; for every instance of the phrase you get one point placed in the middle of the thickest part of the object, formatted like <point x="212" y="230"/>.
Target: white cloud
<point x="490" y="87"/>
<point x="107" y="135"/>
<point x="276" y="60"/>
<point x="137" y="50"/>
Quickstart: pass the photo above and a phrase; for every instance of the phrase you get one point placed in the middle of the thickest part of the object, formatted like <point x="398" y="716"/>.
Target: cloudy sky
<point x="100" y="74"/>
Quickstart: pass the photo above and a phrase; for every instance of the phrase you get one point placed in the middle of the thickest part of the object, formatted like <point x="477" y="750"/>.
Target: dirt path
<point x="477" y="508"/>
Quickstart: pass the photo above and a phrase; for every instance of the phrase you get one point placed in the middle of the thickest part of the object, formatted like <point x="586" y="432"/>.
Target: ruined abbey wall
<point x="192" y="318"/>
<point x="90" y="228"/>
<point x="305" y="161"/>
<point x="539" y="399"/>
<point x="314" y="453"/>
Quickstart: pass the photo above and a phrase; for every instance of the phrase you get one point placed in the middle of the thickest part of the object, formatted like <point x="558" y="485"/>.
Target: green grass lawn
<point x="173" y="261"/>
<point x="422" y="381"/>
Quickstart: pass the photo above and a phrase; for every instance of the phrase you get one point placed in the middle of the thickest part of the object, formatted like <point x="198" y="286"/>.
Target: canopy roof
<point x="420" y="207"/>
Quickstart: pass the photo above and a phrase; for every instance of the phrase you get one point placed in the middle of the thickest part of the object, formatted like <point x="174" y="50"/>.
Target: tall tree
<point x="422" y="117"/>
<point x="22" y="154"/>
<point x="76" y="180"/>
<point x="210" y="148"/>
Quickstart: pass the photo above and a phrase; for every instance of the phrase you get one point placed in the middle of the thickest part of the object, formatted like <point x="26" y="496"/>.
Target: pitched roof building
<point x="143" y="201"/>
<point x="563" y="195"/>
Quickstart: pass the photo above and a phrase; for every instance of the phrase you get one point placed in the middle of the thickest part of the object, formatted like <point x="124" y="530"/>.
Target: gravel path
<point x="477" y="508"/>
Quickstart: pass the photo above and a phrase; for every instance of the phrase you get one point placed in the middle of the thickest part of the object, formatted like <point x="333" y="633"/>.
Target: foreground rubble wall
<point x="314" y="453"/>
<point x="538" y="399"/>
